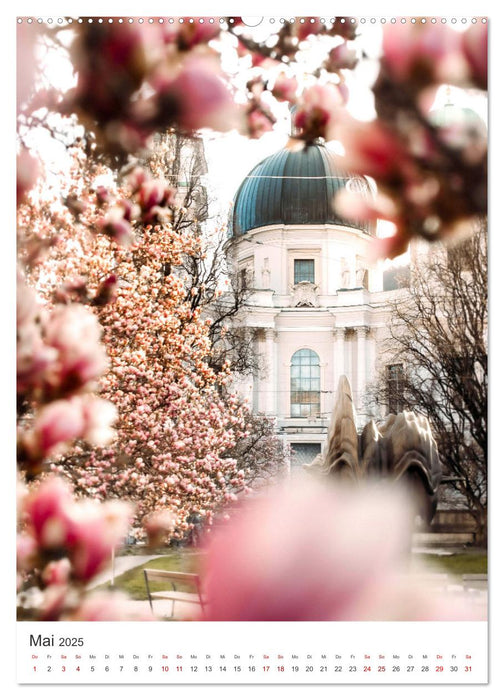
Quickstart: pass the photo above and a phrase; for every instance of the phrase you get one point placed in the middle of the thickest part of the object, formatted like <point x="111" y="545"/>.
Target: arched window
<point x="305" y="384"/>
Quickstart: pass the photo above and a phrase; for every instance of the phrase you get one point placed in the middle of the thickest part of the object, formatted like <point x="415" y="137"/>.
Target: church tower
<point x="318" y="307"/>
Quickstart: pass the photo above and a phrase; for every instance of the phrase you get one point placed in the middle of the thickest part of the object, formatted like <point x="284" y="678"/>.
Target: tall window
<point x="395" y="388"/>
<point x="305" y="384"/>
<point x="304" y="271"/>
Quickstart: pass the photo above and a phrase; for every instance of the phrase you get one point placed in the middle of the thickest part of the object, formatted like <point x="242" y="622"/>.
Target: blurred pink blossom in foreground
<point x="109" y="607"/>
<point x="159" y="526"/>
<point x="68" y="542"/>
<point x="84" y="531"/>
<point x="320" y="552"/>
<point x="81" y="417"/>
<point x="319" y="110"/>
<point x="58" y="352"/>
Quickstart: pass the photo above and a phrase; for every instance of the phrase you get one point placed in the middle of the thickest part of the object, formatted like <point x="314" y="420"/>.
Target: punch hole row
<point x="221" y="20"/>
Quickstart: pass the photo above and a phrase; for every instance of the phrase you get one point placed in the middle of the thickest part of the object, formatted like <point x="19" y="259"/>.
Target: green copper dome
<point x="293" y="187"/>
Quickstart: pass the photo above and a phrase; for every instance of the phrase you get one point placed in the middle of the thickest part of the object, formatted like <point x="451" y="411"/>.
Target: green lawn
<point x="133" y="582"/>
<point x="456" y="564"/>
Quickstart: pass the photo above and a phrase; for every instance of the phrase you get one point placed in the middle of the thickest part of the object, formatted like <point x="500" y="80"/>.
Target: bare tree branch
<point x="438" y="333"/>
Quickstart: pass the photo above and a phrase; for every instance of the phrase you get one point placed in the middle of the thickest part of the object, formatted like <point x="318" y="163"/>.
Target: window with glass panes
<point x="305" y="384"/>
<point x="304" y="271"/>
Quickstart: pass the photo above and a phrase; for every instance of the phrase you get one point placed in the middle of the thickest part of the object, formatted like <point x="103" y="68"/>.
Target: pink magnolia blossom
<point x="317" y="552"/>
<point x="116" y="225"/>
<point x="259" y="60"/>
<point x="75" y="333"/>
<point x="56" y="598"/>
<point x="155" y="193"/>
<point x="59" y="352"/>
<point x="475" y="49"/>
<point x="195" y="98"/>
<point x="45" y="511"/>
<point x="27" y="307"/>
<point x="285" y="88"/>
<point x="318" y="111"/>
<point x="136" y="178"/>
<point x="94" y="531"/>
<point x="28" y="170"/>
<point x="58" y="423"/>
<point x="98" y="416"/>
<point x="111" y="64"/>
<point x="412" y="171"/>
<point x="86" y="531"/>
<point x="256" y="86"/>
<point x="159" y="526"/>
<point x="422" y="53"/>
<point x="345" y="27"/>
<point x="340" y="57"/>
<point x="354" y="206"/>
<point x="155" y="197"/>
<point x="258" y="123"/>
<point x="372" y="149"/>
<point x="106" y="292"/>
<point x="26" y="551"/>
<point x="76" y="205"/>
<point x="190" y="34"/>
<point x="390" y="246"/>
<point x="108" y="607"/>
<point x="57" y="572"/>
<point x="26" y="37"/>
<point x="33" y="357"/>
<point x="72" y="290"/>
<point x="309" y="25"/>
<point x="131" y="209"/>
<point x="102" y="194"/>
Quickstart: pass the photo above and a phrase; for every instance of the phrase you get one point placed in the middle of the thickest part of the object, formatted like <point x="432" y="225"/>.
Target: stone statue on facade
<point x="266" y="275"/>
<point x="399" y="448"/>
<point x="345" y="274"/>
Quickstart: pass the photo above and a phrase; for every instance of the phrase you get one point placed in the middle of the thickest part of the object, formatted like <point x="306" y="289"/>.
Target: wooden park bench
<point x="175" y="579"/>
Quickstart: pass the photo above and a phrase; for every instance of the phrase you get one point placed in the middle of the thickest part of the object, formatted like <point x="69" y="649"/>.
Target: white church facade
<point x="318" y="307"/>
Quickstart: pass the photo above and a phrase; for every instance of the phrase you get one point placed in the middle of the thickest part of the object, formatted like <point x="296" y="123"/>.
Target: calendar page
<point x="252" y="349"/>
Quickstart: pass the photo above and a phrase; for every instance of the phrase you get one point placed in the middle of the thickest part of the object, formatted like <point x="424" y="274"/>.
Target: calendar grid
<point x="270" y="653"/>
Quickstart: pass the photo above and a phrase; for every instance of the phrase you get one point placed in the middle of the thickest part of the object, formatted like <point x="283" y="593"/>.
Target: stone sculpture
<point x="304" y="294"/>
<point x="266" y="274"/>
<point x="399" y="448"/>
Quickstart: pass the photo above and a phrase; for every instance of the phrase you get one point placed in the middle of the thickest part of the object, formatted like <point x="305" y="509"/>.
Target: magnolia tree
<point x="173" y="426"/>
<point x="105" y="334"/>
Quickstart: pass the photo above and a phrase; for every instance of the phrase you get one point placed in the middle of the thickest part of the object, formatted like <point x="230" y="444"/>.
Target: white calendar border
<point x="260" y="7"/>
